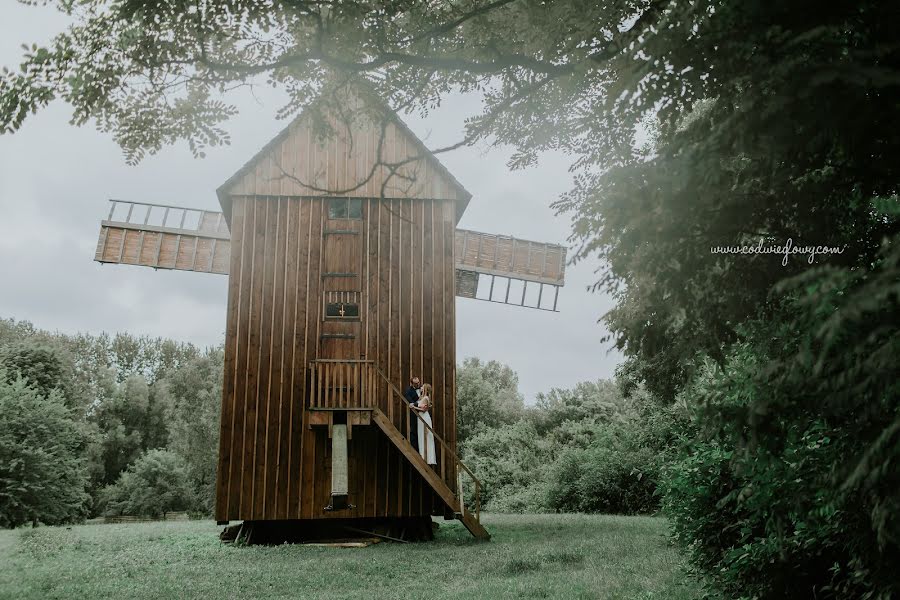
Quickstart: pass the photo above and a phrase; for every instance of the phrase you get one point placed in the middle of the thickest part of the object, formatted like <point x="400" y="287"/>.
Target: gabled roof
<point x="224" y="192"/>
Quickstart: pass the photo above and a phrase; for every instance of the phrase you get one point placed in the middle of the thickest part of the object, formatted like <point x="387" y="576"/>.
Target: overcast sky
<point x="55" y="180"/>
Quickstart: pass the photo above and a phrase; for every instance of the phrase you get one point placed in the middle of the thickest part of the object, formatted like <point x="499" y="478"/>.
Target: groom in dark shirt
<point x="412" y="396"/>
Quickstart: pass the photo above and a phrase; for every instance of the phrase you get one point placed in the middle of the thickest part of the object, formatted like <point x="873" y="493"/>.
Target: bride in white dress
<point x="426" y="437"/>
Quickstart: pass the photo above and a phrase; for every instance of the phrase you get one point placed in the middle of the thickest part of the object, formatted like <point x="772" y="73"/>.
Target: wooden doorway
<point x="342" y="300"/>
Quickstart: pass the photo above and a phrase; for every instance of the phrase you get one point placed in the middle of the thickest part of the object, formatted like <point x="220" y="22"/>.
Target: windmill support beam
<point x="482" y="287"/>
<point x="339" y="468"/>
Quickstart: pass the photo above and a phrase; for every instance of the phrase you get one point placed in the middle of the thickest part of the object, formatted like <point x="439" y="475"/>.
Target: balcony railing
<point x="343" y="385"/>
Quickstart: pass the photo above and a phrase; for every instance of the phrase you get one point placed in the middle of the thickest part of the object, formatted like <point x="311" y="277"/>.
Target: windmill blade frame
<point x="143" y="236"/>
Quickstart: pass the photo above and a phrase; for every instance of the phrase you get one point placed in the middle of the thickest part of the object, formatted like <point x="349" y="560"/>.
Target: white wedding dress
<point x="426" y="449"/>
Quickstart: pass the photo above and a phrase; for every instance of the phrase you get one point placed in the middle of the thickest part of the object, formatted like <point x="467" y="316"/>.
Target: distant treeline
<point x="104" y="424"/>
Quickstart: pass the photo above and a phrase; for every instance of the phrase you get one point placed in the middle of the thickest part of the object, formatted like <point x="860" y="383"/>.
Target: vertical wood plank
<point x="274" y="433"/>
<point x="391" y="362"/>
<point x="232" y="324"/>
<point x="301" y="360"/>
<point x="317" y="281"/>
<point x="404" y="342"/>
<point x="263" y="366"/>
<point x="441" y="307"/>
<point x="247" y="373"/>
<point x="420" y="299"/>
<point x="288" y="333"/>
<point x="448" y="428"/>
<point x="430" y="360"/>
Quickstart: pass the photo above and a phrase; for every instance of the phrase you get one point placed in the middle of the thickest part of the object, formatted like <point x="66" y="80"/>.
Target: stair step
<point x="474" y="527"/>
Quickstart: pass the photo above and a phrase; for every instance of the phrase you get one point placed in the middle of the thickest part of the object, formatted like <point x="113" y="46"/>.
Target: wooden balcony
<point x="343" y="385"/>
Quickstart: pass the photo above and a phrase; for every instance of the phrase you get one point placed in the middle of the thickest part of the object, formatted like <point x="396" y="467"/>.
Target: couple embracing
<point x="419" y="398"/>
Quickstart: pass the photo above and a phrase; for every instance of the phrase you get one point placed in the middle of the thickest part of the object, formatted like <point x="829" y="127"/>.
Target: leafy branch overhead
<point x="153" y="72"/>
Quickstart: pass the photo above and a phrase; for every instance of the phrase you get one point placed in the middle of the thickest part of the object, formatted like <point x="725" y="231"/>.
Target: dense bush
<point x="43" y="476"/>
<point x="521" y="500"/>
<point x="509" y="460"/>
<point x="793" y="489"/>
<point x="586" y="449"/>
<point x="774" y="524"/>
<point x="156" y="483"/>
<point x="604" y="479"/>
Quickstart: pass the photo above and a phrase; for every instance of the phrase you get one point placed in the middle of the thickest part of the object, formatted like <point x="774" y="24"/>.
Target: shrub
<point x="519" y="500"/>
<point x="156" y="483"/>
<point x="604" y="479"/>
<point x="771" y="525"/>
<point x="614" y="466"/>
<point x="508" y="460"/>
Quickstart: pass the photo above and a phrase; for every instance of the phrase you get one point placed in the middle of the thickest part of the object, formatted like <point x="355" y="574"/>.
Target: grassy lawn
<point x="530" y="556"/>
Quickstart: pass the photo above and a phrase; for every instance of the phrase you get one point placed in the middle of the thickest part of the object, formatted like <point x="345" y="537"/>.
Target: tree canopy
<point x="487" y="395"/>
<point x="43" y="475"/>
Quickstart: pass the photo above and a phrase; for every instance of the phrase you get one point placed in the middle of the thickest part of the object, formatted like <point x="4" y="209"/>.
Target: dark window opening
<point x="345" y="208"/>
<point x="341" y="310"/>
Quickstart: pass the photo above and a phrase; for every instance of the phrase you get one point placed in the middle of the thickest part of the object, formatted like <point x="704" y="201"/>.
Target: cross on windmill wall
<point x="334" y="299"/>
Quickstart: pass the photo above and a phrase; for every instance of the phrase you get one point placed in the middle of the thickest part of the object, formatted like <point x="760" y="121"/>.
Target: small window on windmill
<point x="342" y="306"/>
<point x="341" y="310"/>
<point x="345" y="208"/>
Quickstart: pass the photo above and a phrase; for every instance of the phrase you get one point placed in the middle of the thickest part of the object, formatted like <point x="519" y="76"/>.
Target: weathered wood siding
<point x="272" y="465"/>
<point x="296" y="163"/>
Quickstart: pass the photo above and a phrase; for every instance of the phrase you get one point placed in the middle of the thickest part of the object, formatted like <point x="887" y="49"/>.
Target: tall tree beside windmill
<point x="344" y="261"/>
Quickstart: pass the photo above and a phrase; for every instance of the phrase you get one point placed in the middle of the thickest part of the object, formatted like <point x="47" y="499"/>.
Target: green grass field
<point x="530" y="556"/>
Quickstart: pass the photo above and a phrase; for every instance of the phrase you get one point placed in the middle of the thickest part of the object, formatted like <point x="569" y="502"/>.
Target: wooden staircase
<point x="453" y="501"/>
<point x="359" y="385"/>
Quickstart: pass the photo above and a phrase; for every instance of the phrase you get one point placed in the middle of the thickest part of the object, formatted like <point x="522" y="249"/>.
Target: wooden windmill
<point x="344" y="261"/>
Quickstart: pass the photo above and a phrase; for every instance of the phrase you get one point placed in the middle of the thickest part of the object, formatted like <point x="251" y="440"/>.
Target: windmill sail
<point x="490" y="267"/>
<point x="500" y="268"/>
<point x="164" y="237"/>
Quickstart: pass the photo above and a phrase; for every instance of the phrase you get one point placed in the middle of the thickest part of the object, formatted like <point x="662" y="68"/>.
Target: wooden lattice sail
<point x="164" y="237"/>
